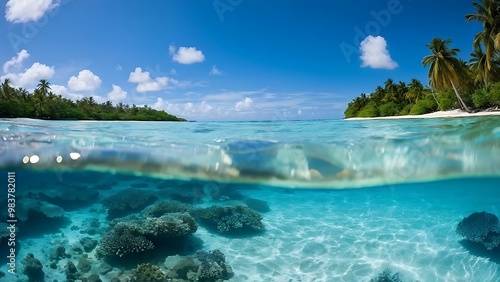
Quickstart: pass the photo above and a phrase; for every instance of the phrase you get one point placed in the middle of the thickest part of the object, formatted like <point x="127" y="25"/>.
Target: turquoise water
<point x="337" y="200"/>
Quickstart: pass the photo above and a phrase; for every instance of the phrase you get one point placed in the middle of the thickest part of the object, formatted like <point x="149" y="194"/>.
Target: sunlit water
<point x="347" y="199"/>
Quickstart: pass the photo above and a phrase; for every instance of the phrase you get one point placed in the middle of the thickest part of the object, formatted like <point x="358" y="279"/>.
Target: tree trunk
<point x="460" y="98"/>
<point x="435" y="98"/>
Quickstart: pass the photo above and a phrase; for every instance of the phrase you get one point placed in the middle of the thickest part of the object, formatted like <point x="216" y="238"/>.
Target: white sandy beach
<point x="440" y="114"/>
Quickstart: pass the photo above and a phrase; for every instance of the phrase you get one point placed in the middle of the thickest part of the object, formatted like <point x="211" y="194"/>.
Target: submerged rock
<point x="29" y="208"/>
<point x="258" y="205"/>
<point x="84" y="265"/>
<point x="58" y="253"/>
<point x="104" y="268"/>
<point x="94" y="278"/>
<point x="88" y="244"/>
<point x="70" y="196"/>
<point x="33" y="268"/>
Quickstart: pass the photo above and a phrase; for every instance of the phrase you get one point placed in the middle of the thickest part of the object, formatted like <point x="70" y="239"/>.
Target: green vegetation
<point x="44" y="104"/>
<point x="453" y="83"/>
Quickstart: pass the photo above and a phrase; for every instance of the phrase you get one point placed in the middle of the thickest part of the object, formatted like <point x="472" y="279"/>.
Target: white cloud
<point x="202" y="110"/>
<point x="63" y="91"/>
<point x="145" y="83"/>
<point x="215" y="71"/>
<point x="86" y="81"/>
<point x="30" y="76"/>
<point x="374" y="54"/>
<point x="22" y="11"/>
<point x="99" y="99"/>
<point x="244" y="104"/>
<point x="173" y="72"/>
<point x="15" y="62"/>
<point x="252" y="105"/>
<point x="186" y="55"/>
<point x="117" y="94"/>
<point x="119" y="68"/>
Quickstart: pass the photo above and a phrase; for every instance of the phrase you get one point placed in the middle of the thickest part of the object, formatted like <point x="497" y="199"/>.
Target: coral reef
<point x="481" y="227"/>
<point x="146" y="272"/>
<point x="169" y="225"/>
<point x="33" y="268"/>
<point x="387" y="276"/>
<point x="140" y="235"/>
<point x="164" y="207"/>
<point x="127" y="201"/>
<point x="203" y="266"/>
<point x="232" y="218"/>
<point x="114" y="244"/>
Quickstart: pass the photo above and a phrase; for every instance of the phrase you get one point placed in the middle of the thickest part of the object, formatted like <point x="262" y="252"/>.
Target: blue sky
<point x="226" y="59"/>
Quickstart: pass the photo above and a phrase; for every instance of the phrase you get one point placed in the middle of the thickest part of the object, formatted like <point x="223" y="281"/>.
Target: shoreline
<point x="440" y="114"/>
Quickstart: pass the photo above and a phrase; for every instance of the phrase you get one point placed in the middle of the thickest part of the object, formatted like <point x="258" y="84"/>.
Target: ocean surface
<point x="332" y="200"/>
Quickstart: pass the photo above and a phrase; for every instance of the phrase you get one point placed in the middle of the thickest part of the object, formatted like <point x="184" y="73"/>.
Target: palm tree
<point x="487" y="13"/>
<point x="6" y="89"/>
<point x="39" y="101"/>
<point x="43" y="87"/>
<point x="415" y="90"/>
<point x="401" y="89"/>
<point x="445" y="70"/>
<point x="479" y="66"/>
<point x="23" y="94"/>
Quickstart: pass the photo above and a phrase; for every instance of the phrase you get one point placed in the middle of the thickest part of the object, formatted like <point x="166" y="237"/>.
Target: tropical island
<point x="42" y="103"/>
<point x="453" y="83"/>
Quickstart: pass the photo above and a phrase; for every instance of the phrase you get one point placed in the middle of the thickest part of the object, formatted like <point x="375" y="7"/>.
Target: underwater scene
<point x="339" y="200"/>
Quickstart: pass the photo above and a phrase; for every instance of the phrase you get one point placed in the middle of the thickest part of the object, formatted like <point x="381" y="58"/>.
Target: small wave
<point x="288" y="165"/>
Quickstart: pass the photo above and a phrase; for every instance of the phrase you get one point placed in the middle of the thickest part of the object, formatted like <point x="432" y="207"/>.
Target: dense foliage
<point x="42" y="103"/>
<point x="453" y="83"/>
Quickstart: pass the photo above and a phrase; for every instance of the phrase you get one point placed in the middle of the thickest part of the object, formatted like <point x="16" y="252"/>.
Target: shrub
<point x="423" y="106"/>
<point x="480" y="98"/>
<point x="447" y="101"/>
<point x="406" y="110"/>
<point x="389" y="109"/>
<point x="369" y="110"/>
<point x="494" y="95"/>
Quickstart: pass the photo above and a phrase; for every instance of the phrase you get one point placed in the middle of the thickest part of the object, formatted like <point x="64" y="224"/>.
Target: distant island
<point x="42" y="103"/>
<point x="453" y="82"/>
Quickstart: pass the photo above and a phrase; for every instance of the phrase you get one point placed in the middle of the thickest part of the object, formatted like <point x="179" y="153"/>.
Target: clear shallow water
<point x="418" y="180"/>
